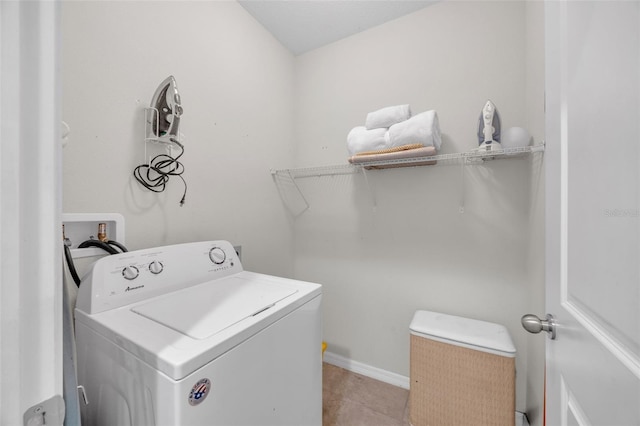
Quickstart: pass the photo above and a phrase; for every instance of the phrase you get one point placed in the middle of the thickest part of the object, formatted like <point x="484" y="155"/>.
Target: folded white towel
<point x="422" y="128"/>
<point x="361" y="140"/>
<point x="387" y="117"/>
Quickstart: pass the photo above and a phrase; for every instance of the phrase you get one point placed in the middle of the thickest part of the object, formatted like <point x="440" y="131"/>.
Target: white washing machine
<point x="181" y="335"/>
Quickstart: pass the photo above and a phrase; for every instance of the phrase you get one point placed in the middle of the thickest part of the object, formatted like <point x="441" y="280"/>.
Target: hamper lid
<point x="480" y="335"/>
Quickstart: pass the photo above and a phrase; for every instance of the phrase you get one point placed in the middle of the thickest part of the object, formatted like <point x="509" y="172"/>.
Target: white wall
<point x="535" y="263"/>
<point x="415" y="251"/>
<point x="236" y="86"/>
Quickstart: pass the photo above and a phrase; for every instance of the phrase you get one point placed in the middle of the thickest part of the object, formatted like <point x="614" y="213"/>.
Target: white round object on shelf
<point x="515" y="137"/>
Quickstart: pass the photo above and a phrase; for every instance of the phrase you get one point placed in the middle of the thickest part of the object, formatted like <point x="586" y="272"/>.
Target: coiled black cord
<point x="159" y="170"/>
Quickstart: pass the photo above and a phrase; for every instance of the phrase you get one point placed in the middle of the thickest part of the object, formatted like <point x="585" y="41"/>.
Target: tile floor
<point x="350" y="399"/>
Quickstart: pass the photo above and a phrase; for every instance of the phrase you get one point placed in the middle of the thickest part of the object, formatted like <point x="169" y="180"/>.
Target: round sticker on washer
<point x="199" y="391"/>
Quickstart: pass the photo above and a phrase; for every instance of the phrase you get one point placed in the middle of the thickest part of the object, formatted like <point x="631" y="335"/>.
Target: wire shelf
<point x="296" y="202"/>
<point x="469" y="157"/>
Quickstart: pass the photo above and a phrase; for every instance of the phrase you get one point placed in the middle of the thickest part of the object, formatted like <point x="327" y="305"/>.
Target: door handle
<point x="535" y="325"/>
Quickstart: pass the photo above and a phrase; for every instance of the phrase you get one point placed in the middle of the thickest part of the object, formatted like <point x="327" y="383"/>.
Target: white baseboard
<point x="367" y="370"/>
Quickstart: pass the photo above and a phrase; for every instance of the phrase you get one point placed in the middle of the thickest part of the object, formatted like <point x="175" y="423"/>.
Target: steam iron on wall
<point x="489" y="128"/>
<point x="166" y="101"/>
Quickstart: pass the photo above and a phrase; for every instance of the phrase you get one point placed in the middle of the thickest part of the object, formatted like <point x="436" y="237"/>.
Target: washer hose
<point x="122" y="248"/>
<point x="104" y="245"/>
<point x="72" y="267"/>
<point x="99" y="244"/>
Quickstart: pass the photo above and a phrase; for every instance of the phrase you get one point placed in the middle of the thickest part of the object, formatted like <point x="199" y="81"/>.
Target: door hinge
<point x="49" y="412"/>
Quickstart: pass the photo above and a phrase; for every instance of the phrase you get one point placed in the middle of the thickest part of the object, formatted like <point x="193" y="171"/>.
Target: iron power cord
<point x="159" y="170"/>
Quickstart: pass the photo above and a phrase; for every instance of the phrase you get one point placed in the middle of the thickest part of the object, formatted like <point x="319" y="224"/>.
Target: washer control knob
<point x="217" y="255"/>
<point x="130" y="272"/>
<point x="156" y="267"/>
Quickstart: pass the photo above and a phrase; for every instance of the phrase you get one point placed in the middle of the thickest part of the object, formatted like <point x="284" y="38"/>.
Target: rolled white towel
<point x="422" y="128"/>
<point x="360" y="140"/>
<point x="387" y="117"/>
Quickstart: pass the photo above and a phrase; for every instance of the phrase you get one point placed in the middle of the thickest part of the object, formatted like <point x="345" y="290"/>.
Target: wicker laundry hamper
<point x="462" y="372"/>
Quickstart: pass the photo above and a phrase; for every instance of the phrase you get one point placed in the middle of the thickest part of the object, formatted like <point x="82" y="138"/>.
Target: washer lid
<point x="204" y="310"/>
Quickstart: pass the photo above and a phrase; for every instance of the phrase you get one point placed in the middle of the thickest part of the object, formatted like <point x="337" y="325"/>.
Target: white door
<point x="593" y="212"/>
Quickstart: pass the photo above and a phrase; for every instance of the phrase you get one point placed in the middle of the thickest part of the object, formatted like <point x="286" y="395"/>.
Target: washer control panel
<point x="121" y="279"/>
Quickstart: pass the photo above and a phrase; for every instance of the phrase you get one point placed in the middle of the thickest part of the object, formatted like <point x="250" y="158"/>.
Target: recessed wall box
<point x="79" y="227"/>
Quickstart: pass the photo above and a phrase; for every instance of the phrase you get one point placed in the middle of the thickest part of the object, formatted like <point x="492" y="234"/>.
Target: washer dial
<point x="130" y="272"/>
<point x="217" y="255"/>
<point x="156" y="267"/>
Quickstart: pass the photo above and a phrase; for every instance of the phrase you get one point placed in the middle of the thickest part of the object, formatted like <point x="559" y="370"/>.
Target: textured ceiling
<point x="303" y="25"/>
